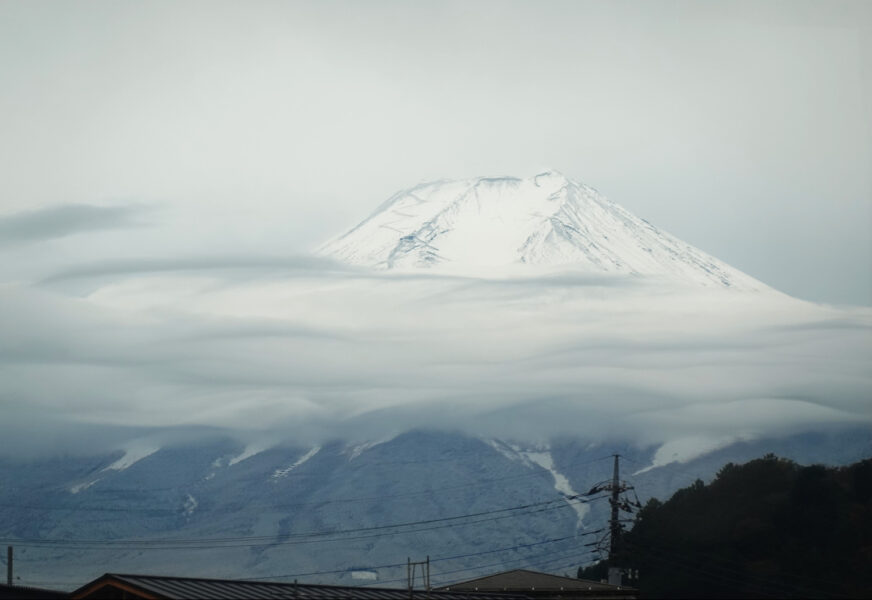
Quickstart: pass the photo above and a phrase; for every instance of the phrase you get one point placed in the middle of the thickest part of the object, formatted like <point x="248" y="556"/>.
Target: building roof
<point x="523" y="580"/>
<point x="22" y="592"/>
<point x="153" y="587"/>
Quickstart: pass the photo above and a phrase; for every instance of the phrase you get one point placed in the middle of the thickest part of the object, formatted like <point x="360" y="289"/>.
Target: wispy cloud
<point x="223" y="264"/>
<point x="311" y="352"/>
<point x="64" y="220"/>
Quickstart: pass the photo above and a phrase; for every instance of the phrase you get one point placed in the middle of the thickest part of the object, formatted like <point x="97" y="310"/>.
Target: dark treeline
<point x="768" y="528"/>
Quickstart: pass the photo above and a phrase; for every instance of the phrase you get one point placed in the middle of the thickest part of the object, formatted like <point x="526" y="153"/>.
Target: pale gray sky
<point x="165" y="168"/>
<point x="743" y="128"/>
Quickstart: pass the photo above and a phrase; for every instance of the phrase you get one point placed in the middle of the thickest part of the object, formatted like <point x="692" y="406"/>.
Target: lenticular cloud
<point x="505" y="307"/>
<point x="330" y="354"/>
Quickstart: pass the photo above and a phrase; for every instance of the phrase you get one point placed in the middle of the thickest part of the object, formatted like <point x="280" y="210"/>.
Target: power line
<point x="700" y="573"/>
<point x="525" y="561"/>
<point x="321" y="532"/>
<point x="177" y="511"/>
<point x="256" y="541"/>
<point x="432" y="560"/>
<point x="738" y="571"/>
<point x="337" y="535"/>
<point x="396" y="565"/>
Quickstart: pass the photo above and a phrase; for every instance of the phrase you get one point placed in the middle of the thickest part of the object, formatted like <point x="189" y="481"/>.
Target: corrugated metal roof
<point x="522" y="579"/>
<point x="186" y="588"/>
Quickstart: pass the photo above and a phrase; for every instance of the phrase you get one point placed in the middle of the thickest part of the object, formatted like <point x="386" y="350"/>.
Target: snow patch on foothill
<point x="561" y="483"/>
<point x="505" y="450"/>
<point x="279" y="473"/>
<point x="190" y="505"/>
<point x="686" y="449"/>
<point x="541" y="457"/>
<point x="82" y="486"/>
<point x="353" y="451"/>
<point x="131" y="456"/>
<point x="250" y="450"/>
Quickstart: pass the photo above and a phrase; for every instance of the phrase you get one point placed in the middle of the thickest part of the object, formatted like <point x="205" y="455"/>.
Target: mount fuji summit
<point x="494" y="225"/>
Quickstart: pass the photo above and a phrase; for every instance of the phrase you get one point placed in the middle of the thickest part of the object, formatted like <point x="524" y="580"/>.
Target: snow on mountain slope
<point x="415" y="478"/>
<point x="283" y="472"/>
<point x="542" y="458"/>
<point x="132" y="455"/>
<point x="249" y="451"/>
<point x="475" y="227"/>
<point x="135" y="453"/>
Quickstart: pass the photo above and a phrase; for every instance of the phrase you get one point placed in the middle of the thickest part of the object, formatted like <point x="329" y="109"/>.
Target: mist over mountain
<point x="521" y="308"/>
<point x="472" y="346"/>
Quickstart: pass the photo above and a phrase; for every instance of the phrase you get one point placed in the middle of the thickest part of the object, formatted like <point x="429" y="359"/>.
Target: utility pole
<point x="614" y="523"/>
<point x="617" y="488"/>
<point x="618" y="503"/>
<point x="9" y="565"/>
<point x="425" y="574"/>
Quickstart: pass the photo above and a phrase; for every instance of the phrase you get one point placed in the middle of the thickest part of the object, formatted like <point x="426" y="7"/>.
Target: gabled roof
<point x="521" y="579"/>
<point x="153" y="587"/>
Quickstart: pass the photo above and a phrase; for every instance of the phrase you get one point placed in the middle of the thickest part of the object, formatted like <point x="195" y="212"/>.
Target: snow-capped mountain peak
<point x="480" y="225"/>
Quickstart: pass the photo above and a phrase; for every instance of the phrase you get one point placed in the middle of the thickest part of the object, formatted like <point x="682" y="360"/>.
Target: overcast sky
<point x="167" y="168"/>
<point x="266" y="127"/>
